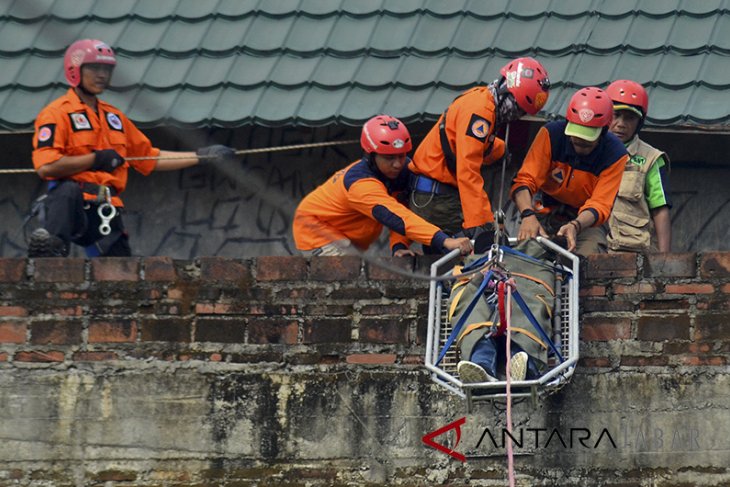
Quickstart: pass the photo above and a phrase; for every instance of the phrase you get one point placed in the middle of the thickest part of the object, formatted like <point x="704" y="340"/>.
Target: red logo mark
<point x="428" y="439"/>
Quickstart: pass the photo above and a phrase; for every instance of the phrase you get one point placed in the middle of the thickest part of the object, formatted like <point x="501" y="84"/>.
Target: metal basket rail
<point x="565" y="336"/>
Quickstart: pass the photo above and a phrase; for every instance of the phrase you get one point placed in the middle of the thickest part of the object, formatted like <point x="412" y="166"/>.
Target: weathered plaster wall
<point x="286" y="371"/>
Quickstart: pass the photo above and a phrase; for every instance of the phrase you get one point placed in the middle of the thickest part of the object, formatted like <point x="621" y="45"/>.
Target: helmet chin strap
<point x="507" y="108"/>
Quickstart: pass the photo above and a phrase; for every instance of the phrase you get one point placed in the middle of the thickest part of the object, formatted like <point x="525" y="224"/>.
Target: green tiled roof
<point x="227" y="63"/>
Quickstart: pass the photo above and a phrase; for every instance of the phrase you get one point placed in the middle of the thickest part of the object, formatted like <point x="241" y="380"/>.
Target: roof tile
<point x="233" y="62"/>
<point x="309" y="34"/>
<point x="720" y="39"/>
<point x="236" y="104"/>
<point x="184" y="37"/>
<point x="193" y="106"/>
<point x="236" y="8"/>
<point x="405" y="103"/>
<point x="359" y="8"/>
<point x="157" y="10"/>
<point x="166" y="73"/>
<point x="16" y="37"/>
<point x="319" y="105"/>
<point x="225" y="35"/>
<point x="276" y="105"/>
<point x="116" y="10"/>
<point x="391" y="34"/>
<point x="139" y="37"/>
<point x="207" y="71"/>
<point x="279" y="7"/>
<point x="560" y="35"/>
<point x="362" y="101"/>
<point x="251" y="71"/>
<point x="649" y="34"/>
<point x="70" y="9"/>
<point x="487" y="10"/>
<point x="293" y="71"/>
<point x="442" y="9"/>
<point x="433" y="35"/>
<point x="336" y="72"/>
<point x="351" y="35"/>
<point x="475" y="35"/>
<point x="377" y="72"/>
<point x="25" y="10"/>
<point x="267" y="34"/>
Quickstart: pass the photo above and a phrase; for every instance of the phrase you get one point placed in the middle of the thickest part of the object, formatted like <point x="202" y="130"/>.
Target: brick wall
<point x="273" y="334"/>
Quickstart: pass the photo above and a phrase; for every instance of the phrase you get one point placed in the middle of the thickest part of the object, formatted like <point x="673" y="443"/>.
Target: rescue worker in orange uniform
<point x="643" y="197"/>
<point x="574" y="169"/>
<point x="80" y="145"/>
<point x="448" y="187"/>
<point x="347" y="213"/>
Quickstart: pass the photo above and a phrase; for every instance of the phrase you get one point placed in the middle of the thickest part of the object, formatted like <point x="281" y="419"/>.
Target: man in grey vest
<point x="643" y="197"/>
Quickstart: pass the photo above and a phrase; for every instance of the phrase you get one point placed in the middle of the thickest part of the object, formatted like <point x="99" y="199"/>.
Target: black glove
<point x="106" y="160"/>
<point x="215" y="153"/>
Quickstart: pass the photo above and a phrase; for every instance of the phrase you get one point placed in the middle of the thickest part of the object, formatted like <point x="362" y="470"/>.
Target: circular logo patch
<point x="398" y="143"/>
<point x="44" y="134"/>
<point x="114" y="121"/>
<point x="480" y="128"/>
<point x="585" y="114"/>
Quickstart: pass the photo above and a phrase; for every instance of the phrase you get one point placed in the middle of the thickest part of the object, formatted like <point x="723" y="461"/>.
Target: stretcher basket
<point x="564" y="335"/>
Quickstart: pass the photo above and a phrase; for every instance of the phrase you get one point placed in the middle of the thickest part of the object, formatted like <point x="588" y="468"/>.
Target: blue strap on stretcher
<point x="464" y="316"/>
<point x="533" y="321"/>
<point x="521" y="303"/>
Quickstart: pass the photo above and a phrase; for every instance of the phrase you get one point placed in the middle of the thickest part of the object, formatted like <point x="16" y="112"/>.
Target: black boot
<point x="43" y="244"/>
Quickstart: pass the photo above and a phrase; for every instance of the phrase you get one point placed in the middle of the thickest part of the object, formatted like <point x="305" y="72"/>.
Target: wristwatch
<point x="527" y="212"/>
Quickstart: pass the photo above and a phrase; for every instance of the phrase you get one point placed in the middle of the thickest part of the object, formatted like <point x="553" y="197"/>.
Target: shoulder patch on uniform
<point x="557" y="174"/>
<point x="478" y="128"/>
<point x="115" y="123"/>
<point x="46" y="134"/>
<point x="79" y="121"/>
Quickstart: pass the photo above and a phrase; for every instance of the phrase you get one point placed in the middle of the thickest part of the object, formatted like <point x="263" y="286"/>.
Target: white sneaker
<point x="470" y="373"/>
<point x="518" y="366"/>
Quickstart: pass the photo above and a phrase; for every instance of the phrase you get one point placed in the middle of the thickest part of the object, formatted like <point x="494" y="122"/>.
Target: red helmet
<point x="384" y="134"/>
<point x="590" y="109"/>
<point x="528" y="82"/>
<point x="629" y="95"/>
<point x="85" y="51"/>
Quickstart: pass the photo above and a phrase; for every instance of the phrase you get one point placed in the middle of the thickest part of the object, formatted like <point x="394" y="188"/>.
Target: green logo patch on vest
<point x="638" y="160"/>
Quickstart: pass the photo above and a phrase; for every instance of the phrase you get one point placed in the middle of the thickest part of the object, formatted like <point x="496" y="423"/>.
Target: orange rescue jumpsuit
<point x="470" y="125"/>
<point x="354" y="204"/>
<point x="68" y="127"/>
<point x="582" y="182"/>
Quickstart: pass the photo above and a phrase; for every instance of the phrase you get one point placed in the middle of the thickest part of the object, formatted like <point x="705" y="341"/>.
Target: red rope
<point x="508" y="372"/>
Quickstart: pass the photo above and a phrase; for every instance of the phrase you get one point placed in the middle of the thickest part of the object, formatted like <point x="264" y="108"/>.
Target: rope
<point x="499" y="214"/>
<point x="508" y="372"/>
<point x="241" y="152"/>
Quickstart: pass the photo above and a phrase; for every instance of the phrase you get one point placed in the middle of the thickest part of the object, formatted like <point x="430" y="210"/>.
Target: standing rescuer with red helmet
<point x="448" y="187"/>
<point x="643" y="197"/>
<point x="80" y="145"/>
<point x="347" y="213"/>
<point x="574" y="169"/>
